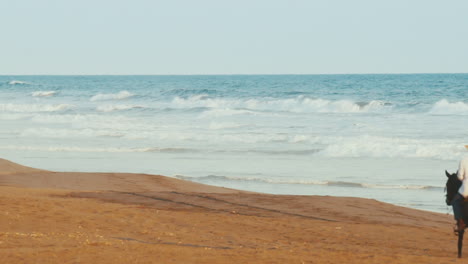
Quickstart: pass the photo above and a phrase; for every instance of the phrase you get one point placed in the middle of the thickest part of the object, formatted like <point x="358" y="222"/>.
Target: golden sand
<point x="59" y="217"/>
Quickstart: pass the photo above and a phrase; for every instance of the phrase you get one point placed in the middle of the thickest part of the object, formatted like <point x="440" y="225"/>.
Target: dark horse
<point x="452" y="186"/>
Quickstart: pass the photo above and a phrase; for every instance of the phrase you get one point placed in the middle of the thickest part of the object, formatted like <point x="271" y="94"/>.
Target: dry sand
<point x="60" y="217"/>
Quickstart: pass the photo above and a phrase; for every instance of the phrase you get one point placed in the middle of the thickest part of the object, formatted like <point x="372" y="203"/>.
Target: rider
<point x="457" y="202"/>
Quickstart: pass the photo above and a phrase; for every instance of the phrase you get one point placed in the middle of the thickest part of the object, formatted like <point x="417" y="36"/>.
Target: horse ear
<point x="446" y="173"/>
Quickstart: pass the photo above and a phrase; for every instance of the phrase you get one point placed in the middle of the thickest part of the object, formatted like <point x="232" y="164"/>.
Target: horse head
<point x="451" y="187"/>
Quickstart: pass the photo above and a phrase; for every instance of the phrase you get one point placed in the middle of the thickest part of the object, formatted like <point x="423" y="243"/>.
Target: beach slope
<point x="70" y="217"/>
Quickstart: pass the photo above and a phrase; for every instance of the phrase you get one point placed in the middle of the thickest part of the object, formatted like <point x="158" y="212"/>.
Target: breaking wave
<point x="15" y="82"/>
<point x="43" y="93"/>
<point x="390" y="147"/>
<point x="300" y="104"/>
<point x="118" y="96"/>
<point x="444" y="107"/>
<point x="112" y="108"/>
<point x="31" y="108"/>
<point x="211" y="178"/>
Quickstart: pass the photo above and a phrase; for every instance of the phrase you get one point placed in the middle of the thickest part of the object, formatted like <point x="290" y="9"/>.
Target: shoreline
<point x="71" y="217"/>
<point x="410" y="194"/>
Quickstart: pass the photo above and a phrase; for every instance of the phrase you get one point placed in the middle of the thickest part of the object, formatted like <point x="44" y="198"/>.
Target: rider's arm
<point x="462" y="169"/>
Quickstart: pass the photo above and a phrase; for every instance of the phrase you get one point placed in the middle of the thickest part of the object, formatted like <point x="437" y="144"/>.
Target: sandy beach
<point x="69" y="217"/>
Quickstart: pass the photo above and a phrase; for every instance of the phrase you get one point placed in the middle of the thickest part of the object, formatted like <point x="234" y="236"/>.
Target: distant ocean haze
<point x="387" y="137"/>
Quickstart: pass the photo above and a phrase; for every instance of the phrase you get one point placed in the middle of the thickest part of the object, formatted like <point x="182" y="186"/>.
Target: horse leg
<point x="460" y="242"/>
<point x="461" y="231"/>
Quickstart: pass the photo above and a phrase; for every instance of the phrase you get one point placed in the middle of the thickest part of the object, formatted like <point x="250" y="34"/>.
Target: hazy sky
<point x="233" y="37"/>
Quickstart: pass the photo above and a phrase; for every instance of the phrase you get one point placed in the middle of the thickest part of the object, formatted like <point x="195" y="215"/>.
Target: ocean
<point x="384" y="137"/>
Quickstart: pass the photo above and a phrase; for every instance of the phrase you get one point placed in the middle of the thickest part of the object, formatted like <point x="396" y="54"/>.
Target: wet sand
<point x="65" y="217"/>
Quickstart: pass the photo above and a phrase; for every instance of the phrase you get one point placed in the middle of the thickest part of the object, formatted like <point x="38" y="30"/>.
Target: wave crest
<point x="15" y="82"/>
<point x="118" y="96"/>
<point x="112" y="108"/>
<point x="43" y="93"/>
<point x="300" y="104"/>
<point x="444" y="107"/>
<point x="31" y="108"/>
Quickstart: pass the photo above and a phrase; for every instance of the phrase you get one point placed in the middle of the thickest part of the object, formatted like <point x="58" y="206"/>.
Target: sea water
<point x="385" y="137"/>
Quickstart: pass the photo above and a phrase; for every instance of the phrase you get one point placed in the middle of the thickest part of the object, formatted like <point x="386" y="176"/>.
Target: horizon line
<point x="236" y="74"/>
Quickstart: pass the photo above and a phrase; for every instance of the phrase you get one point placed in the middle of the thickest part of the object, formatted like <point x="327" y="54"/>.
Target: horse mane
<point x="451" y="187"/>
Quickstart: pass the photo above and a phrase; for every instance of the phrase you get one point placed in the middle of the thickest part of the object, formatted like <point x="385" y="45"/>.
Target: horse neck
<point x="455" y="183"/>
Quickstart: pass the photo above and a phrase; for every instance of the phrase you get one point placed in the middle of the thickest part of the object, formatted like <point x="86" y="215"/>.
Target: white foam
<point x="444" y="107"/>
<point x="299" y="138"/>
<point x="90" y="149"/>
<point x="309" y="182"/>
<point x="300" y="104"/>
<point x="31" y="108"/>
<point x="94" y="121"/>
<point x="407" y="187"/>
<point x="43" y="93"/>
<point x="226" y="112"/>
<point x="75" y="149"/>
<point x="255" y="179"/>
<point x="13" y="116"/>
<point x="43" y="132"/>
<point x="118" y="96"/>
<point x="391" y="147"/>
<point x="15" y="82"/>
<point x="111" y="108"/>
<point x="73" y="118"/>
<point x="224" y="125"/>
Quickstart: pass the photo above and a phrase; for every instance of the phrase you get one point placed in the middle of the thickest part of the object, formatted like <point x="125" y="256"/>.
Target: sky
<point x="233" y="37"/>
